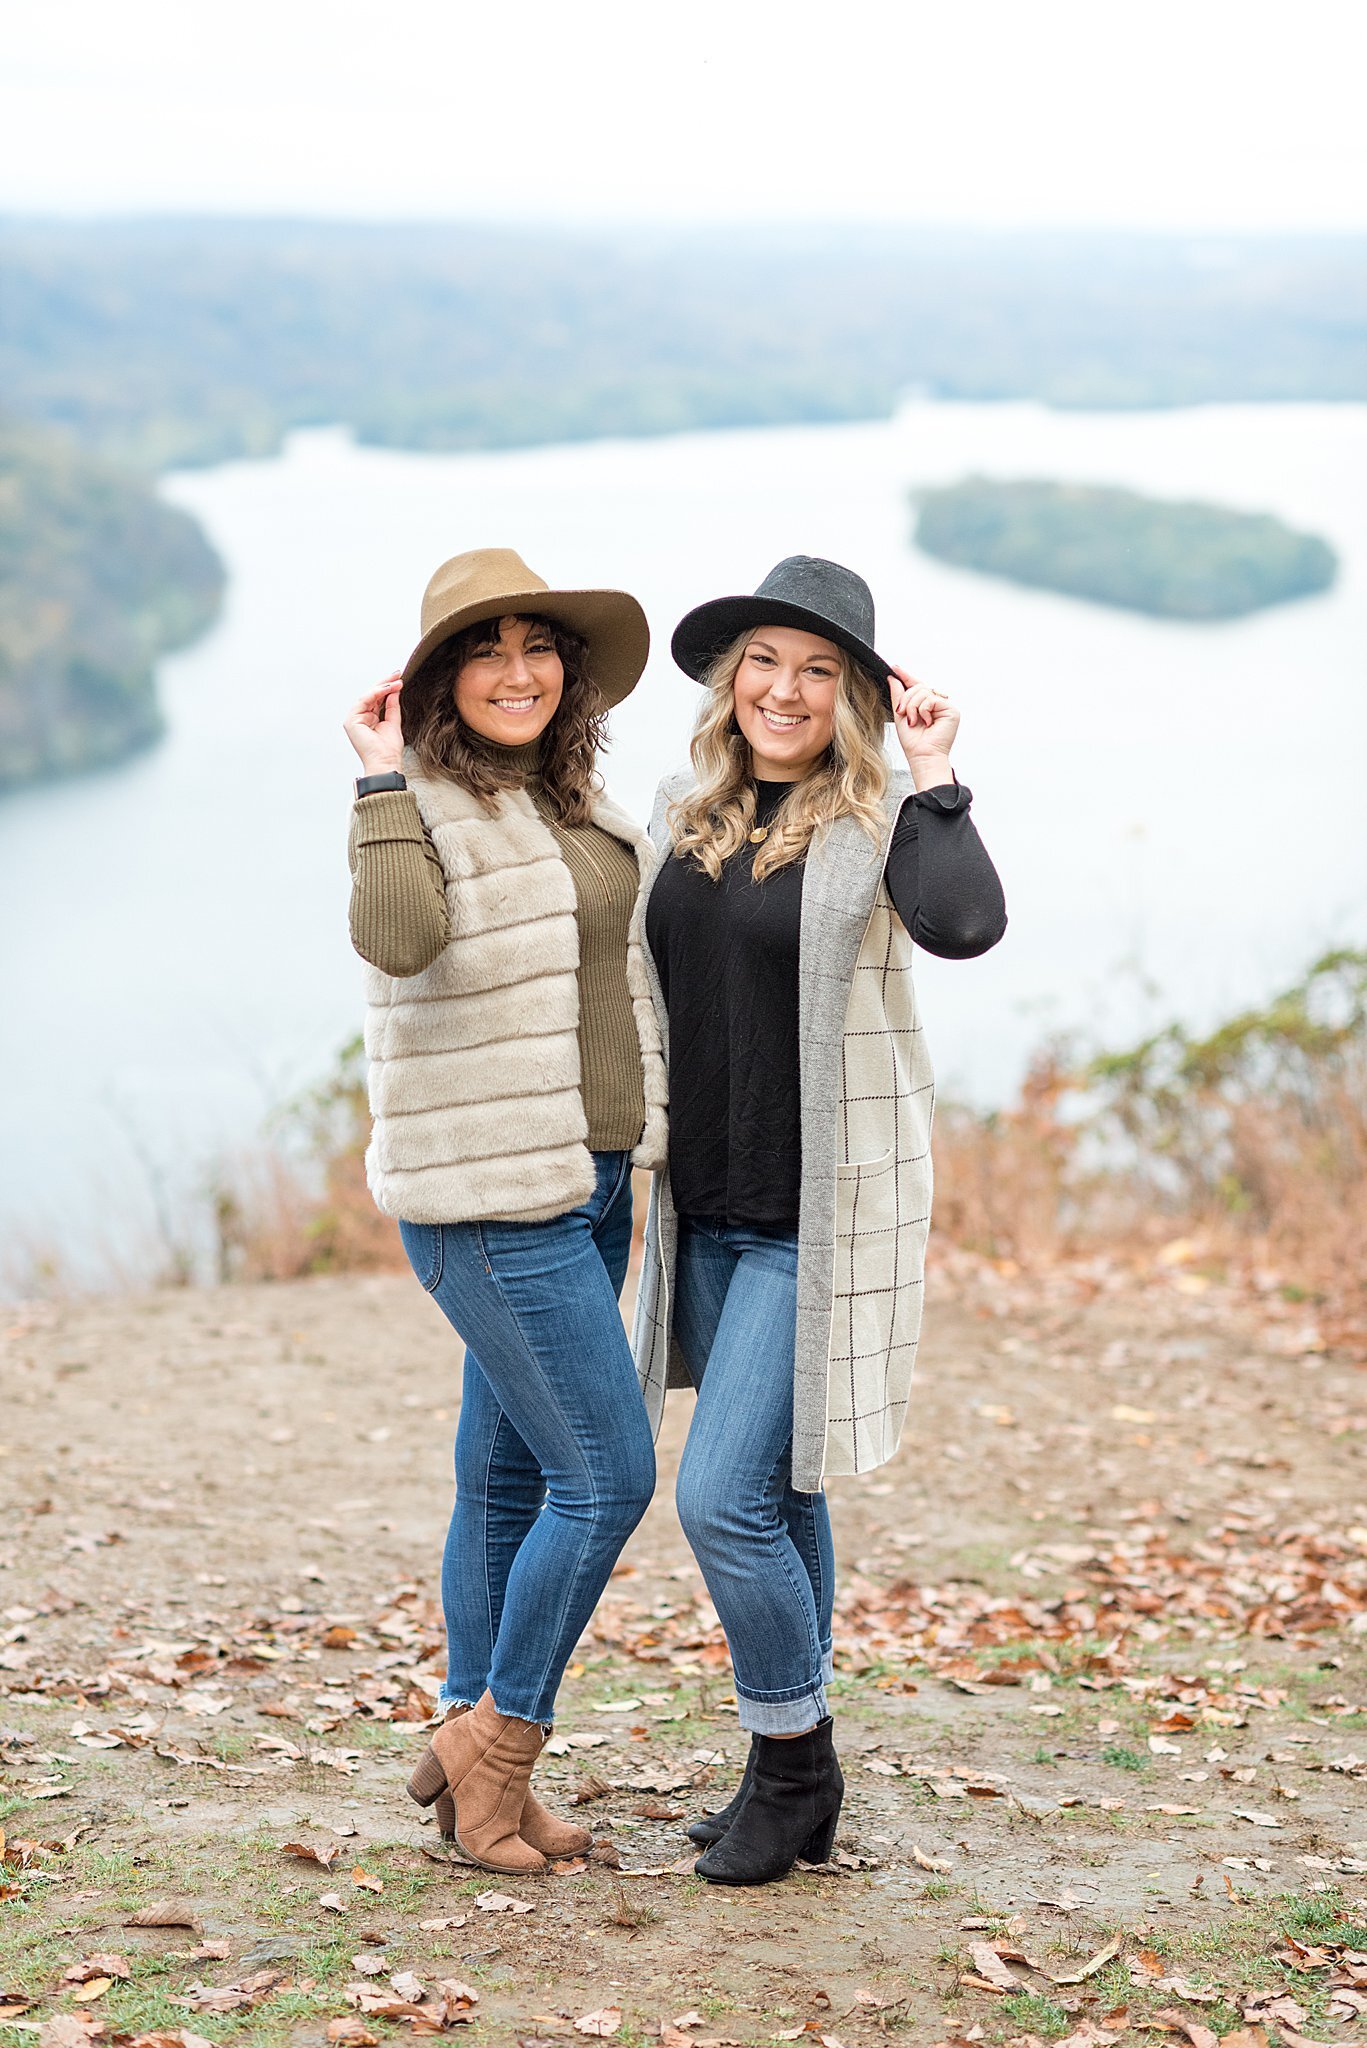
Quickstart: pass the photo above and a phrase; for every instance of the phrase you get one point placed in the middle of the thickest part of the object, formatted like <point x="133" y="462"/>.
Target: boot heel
<point x="820" y="1842"/>
<point x="428" y="1781"/>
<point x="446" y="1816"/>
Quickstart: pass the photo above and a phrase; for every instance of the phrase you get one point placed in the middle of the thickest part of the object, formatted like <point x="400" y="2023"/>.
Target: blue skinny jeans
<point x="554" y="1460"/>
<point x="764" y="1550"/>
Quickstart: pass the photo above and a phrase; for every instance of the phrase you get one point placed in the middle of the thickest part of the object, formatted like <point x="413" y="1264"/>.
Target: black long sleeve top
<point x="727" y="956"/>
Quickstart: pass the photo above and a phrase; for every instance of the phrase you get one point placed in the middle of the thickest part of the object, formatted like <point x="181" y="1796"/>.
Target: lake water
<point x="1176" y="810"/>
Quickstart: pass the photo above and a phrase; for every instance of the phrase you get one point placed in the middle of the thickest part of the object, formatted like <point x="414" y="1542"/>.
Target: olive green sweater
<point x="400" y="922"/>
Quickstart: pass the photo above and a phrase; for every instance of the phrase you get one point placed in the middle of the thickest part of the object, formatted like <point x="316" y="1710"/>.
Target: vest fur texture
<point x="867" y="1098"/>
<point x="474" y="1063"/>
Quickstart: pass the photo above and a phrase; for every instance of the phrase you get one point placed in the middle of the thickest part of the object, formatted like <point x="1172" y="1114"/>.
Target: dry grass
<point x="1252" y="1142"/>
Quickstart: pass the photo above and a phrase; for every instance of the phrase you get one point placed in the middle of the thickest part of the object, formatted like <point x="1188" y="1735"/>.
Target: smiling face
<point x="509" y="686"/>
<point x="785" y="691"/>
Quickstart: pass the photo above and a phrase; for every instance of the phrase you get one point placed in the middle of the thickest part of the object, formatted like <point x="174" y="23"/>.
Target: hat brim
<point x="611" y="621"/>
<point x="702" y="634"/>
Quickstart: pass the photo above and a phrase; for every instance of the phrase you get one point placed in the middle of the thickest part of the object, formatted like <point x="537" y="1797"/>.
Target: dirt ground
<point x="1099" y="1696"/>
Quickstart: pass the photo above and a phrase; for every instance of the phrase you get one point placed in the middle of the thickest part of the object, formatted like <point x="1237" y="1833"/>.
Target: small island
<point x="97" y="579"/>
<point x="1170" y="559"/>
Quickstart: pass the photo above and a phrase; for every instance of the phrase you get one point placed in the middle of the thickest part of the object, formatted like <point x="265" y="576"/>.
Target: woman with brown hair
<point x="785" y="1246"/>
<point x="515" y="1079"/>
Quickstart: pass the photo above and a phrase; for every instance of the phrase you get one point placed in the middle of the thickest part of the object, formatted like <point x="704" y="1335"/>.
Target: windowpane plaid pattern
<point x="867" y="1101"/>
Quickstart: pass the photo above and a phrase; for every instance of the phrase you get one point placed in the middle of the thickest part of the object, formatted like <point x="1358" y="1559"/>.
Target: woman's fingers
<point x="376" y="705"/>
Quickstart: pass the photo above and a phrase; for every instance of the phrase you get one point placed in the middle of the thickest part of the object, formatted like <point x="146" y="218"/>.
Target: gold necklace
<point x="759" y="835"/>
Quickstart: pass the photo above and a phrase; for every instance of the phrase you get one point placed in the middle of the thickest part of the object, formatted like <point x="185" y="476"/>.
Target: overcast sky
<point x="1202" y="114"/>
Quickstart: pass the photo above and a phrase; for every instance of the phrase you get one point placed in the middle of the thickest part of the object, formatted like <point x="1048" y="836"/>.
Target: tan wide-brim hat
<point x="492" y="583"/>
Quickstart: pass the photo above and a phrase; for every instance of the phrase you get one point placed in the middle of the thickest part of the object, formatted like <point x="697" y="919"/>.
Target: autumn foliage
<point x="1248" y="1146"/>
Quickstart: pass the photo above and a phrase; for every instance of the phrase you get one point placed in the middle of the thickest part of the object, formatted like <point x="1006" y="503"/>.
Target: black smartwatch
<point x="372" y="785"/>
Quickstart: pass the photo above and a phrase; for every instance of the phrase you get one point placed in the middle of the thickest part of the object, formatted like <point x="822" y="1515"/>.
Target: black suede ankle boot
<point x="712" y="1826"/>
<point x="790" y="1811"/>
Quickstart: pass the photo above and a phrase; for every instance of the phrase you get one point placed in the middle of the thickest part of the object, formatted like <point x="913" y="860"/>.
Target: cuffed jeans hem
<point x="782" y="1717"/>
<point x="827" y="1666"/>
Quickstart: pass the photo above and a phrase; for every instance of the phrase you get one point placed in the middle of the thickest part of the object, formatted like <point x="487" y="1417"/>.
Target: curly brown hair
<point x="445" y="745"/>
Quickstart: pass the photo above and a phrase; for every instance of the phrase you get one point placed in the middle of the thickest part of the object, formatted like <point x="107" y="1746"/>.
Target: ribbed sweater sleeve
<point x="941" y="878"/>
<point x="399" y="919"/>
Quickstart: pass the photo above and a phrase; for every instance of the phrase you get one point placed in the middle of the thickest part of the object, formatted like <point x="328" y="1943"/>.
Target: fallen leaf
<point x="93" y="1988"/>
<point x="443" y="1922"/>
<point x="343" y="1760"/>
<point x="924" y="1862"/>
<point x="353" y="2031"/>
<point x="165" y="1913"/>
<point x="365" y="1882"/>
<point x="1197" y="2035"/>
<point x="385" y="2005"/>
<point x="70" y="2030"/>
<point x="222" y="1998"/>
<point x="990" y="1967"/>
<point x="589" y="1789"/>
<point x="1282" y="2008"/>
<point x="1259" y="1820"/>
<point x="369" y="1966"/>
<point x="407" y="1986"/>
<point x="600" y="2024"/>
<point x="1092" y="1965"/>
<point x="97" y="1966"/>
<point x="456" y="2000"/>
<point x="324" y="1858"/>
<point x="331" y="1902"/>
<point x="499" y="1902"/>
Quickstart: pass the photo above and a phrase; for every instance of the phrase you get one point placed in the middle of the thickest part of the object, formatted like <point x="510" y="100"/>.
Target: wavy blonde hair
<point x="850" y="780"/>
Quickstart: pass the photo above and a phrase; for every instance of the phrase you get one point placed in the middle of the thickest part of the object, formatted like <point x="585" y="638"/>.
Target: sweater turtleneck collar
<point x="526" y="758"/>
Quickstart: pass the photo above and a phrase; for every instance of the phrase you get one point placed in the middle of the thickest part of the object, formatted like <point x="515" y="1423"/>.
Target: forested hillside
<point x="186" y="341"/>
<point x="1175" y="560"/>
<point x="97" y="578"/>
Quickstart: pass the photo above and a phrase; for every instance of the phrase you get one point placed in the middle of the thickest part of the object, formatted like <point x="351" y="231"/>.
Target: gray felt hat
<point x="803" y="590"/>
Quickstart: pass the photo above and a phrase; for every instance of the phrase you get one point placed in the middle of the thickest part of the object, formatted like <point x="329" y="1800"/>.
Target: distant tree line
<point x="97" y="579"/>
<point x="1174" y="560"/>
<point x="189" y="341"/>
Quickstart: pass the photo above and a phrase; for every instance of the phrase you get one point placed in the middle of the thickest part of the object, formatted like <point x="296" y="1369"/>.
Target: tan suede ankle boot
<point x="539" y="1828"/>
<point x="482" y="1760"/>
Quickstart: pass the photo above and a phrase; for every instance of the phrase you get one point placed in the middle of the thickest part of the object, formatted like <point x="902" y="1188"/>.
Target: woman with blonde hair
<point x="515" y="1079"/>
<point x="785" y="1245"/>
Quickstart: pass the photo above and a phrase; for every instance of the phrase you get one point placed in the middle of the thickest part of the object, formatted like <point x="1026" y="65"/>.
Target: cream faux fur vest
<point x="474" y="1063"/>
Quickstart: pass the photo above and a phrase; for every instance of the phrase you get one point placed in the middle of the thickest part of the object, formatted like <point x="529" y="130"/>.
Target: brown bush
<point x="1252" y="1138"/>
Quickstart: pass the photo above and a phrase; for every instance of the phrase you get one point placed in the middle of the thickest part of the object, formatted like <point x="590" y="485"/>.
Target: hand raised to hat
<point x="926" y="724"/>
<point x="375" y="728"/>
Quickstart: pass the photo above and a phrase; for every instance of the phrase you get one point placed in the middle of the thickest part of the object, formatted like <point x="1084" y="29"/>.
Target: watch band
<point x="372" y="785"/>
